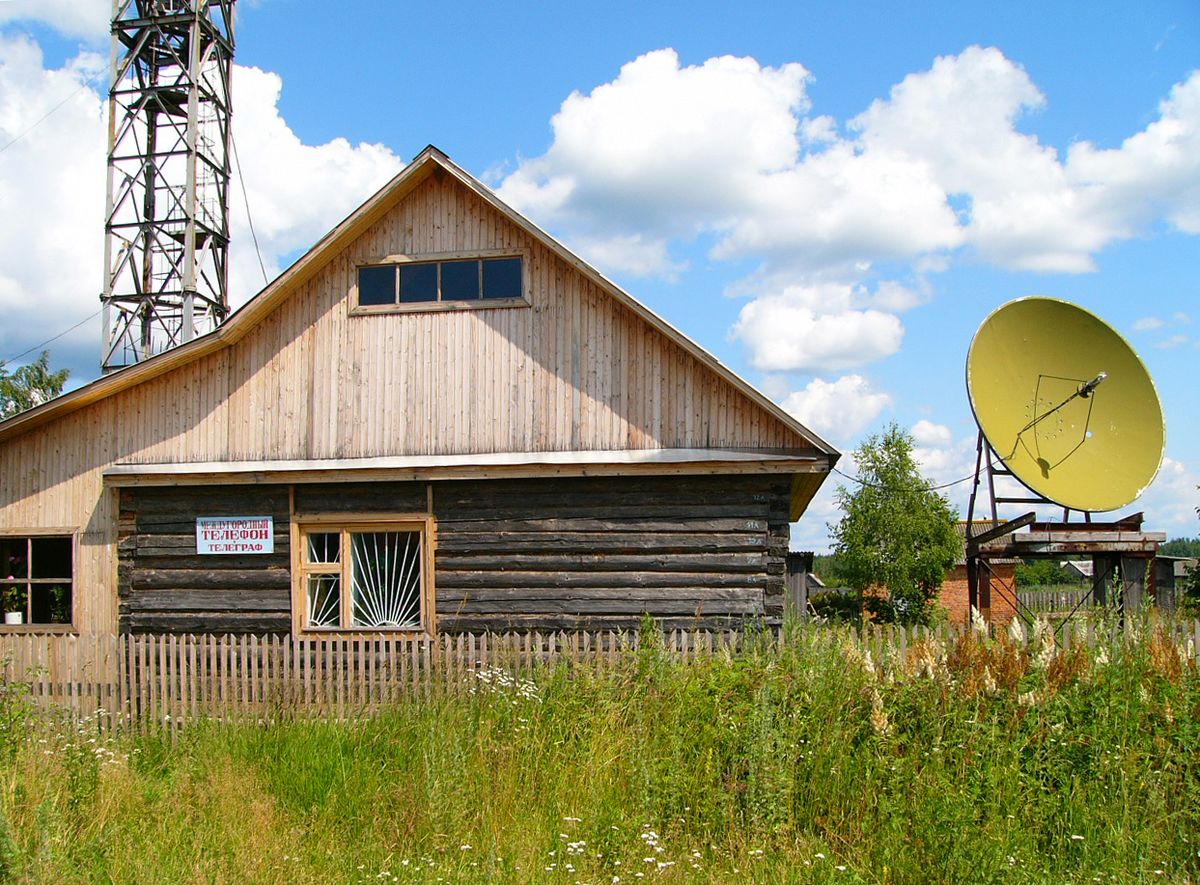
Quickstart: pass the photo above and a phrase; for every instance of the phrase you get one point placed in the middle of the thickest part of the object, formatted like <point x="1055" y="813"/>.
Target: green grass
<point x="982" y="762"/>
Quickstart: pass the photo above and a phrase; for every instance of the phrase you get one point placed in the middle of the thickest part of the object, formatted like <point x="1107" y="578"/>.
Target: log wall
<point x="597" y="553"/>
<point x="594" y="553"/>
<point x="164" y="586"/>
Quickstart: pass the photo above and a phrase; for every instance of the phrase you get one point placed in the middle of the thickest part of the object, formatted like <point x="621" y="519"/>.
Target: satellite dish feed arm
<point x="1085" y="390"/>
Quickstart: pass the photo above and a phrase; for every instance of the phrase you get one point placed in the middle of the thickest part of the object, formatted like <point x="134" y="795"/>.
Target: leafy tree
<point x="826" y="566"/>
<point x="1043" y="572"/>
<point x="29" y="386"/>
<point x="843" y="608"/>
<point x="1180" y="547"/>
<point x="896" y="538"/>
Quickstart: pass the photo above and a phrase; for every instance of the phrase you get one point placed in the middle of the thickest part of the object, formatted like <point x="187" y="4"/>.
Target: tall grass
<point x="995" y="759"/>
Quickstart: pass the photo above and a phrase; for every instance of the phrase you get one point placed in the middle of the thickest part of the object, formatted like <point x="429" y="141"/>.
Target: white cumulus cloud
<point x="52" y="184"/>
<point x="85" y="19"/>
<point x="815" y="329"/>
<point x="927" y="433"/>
<point x="838" y="409"/>
<point x="1170" y="501"/>
<point x="663" y="148"/>
<point x="297" y="191"/>
<point x="726" y="148"/>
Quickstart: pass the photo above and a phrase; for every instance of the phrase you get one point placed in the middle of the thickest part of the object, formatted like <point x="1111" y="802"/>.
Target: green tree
<point x="1043" y="573"/>
<point x="896" y="537"/>
<point x="29" y="386"/>
<point x="1180" y="547"/>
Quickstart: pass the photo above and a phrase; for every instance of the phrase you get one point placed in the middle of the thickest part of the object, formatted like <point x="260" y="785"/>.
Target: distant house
<point x="998" y="595"/>
<point x="438" y="419"/>
<point x="1167" y="573"/>
<point x="1078" y="569"/>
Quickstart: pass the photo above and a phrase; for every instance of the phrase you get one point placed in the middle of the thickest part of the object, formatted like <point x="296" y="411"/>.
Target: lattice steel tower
<point x="167" y="217"/>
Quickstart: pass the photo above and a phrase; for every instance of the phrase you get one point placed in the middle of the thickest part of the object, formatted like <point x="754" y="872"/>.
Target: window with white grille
<point x="363" y="577"/>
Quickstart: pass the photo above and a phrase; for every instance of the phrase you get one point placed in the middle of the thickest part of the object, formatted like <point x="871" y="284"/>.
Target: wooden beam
<point x="508" y="465"/>
<point x="1068" y="547"/>
<point x="1131" y="523"/>
<point x="1005" y="528"/>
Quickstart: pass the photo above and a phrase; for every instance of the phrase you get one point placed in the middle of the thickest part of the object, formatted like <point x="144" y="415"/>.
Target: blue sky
<point x="829" y="197"/>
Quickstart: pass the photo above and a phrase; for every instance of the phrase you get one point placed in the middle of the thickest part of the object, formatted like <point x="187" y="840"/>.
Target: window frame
<point x="345" y="524"/>
<point x="481" y="303"/>
<point x="29" y="535"/>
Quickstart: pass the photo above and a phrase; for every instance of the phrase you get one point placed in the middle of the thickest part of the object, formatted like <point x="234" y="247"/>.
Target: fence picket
<point x="152" y="682"/>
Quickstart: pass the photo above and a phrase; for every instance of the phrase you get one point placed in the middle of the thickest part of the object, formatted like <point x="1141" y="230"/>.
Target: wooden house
<point x="438" y="419"/>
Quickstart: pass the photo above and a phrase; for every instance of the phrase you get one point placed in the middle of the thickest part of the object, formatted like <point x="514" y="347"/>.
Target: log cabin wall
<point x="596" y="553"/>
<point x="165" y="586"/>
<point x="553" y="554"/>
<point x="573" y="370"/>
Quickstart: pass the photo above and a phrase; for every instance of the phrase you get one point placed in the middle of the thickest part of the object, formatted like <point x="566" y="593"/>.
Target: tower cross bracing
<point x="167" y="216"/>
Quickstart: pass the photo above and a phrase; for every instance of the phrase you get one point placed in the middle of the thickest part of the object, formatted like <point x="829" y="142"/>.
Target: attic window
<point x="452" y="282"/>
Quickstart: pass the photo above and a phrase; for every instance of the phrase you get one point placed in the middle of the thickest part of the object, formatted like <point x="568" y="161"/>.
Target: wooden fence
<point x="1064" y="600"/>
<point x="145" y="680"/>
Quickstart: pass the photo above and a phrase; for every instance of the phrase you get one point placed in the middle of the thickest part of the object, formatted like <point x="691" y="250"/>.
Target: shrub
<point x="838" y="608"/>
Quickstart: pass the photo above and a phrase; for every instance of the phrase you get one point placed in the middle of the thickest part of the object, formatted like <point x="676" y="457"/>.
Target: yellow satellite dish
<point x="1065" y="404"/>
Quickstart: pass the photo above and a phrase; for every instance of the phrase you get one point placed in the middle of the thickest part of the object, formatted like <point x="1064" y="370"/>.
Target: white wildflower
<point x="1043" y="640"/>
<point x="879" y="717"/>
<point x="1016" y="631"/>
<point x="989" y="682"/>
<point x="978" y="624"/>
<point x="1029" y="699"/>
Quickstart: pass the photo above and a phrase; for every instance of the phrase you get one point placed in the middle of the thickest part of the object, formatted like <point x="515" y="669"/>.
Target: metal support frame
<point x="1106" y="565"/>
<point x="166" y="219"/>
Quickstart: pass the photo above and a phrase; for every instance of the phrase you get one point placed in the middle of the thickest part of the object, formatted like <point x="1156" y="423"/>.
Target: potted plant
<point x="12" y="601"/>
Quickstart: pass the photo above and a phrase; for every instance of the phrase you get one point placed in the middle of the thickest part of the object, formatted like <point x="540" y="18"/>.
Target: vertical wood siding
<point x="574" y="370"/>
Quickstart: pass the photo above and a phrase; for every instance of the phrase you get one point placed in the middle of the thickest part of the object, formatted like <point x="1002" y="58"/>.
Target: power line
<point x="875" y="485"/>
<point x="84" y="85"/>
<point x="237" y="161"/>
<point x="12" y="359"/>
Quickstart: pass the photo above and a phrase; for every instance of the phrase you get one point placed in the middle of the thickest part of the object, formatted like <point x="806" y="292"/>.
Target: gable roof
<point x="430" y="161"/>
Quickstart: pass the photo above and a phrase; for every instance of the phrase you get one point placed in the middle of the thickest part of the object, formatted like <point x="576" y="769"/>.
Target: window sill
<point x="358" y="633"/>
<point x="58" y="629"/>
<point x="438" y="306"/>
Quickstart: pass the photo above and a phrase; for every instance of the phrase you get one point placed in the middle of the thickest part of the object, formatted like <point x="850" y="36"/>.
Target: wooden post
<point x="972" y="583"/>
<point x="1163" y="572"/>
<point x="1133" y="582"/>
<point x="1102" y="569"/>
<point x="983" y="582"/>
